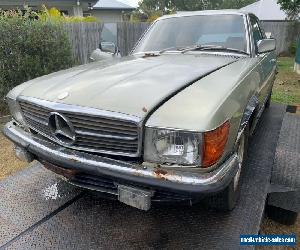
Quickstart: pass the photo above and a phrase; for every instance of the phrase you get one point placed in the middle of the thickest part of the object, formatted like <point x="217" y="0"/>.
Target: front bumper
<point x="154" y="178"/>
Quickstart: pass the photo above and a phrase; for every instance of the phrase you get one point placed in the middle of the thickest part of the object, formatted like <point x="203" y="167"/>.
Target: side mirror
<point x="266" y="45"/>
<point x="108" y="47"/>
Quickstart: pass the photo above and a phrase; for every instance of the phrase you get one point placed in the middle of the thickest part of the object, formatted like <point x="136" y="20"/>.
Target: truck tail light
<point x="214" y="144"/>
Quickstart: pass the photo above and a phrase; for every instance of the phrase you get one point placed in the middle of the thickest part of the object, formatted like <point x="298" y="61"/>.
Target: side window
<point x="256" y="32"/>
<point x="262" y="31"/>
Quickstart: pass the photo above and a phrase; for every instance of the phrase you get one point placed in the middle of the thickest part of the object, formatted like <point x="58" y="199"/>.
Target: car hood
<point x="132" y="85"/>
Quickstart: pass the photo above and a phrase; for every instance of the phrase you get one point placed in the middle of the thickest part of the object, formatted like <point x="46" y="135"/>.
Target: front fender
<point x="248" y="112"/>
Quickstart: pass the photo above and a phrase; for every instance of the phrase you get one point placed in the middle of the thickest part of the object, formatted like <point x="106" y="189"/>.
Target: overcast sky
<point x="133" y="3"/>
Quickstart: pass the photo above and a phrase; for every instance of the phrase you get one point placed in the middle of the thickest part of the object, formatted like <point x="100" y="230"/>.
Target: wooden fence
<point x="284" y="32"/>
<point x="129" y="34"/>
<point x="85" y="37"/>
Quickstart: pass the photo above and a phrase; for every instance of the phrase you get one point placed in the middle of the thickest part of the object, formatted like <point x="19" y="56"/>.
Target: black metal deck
<point x="286" y="169"/>
<point x="39" y="211"/>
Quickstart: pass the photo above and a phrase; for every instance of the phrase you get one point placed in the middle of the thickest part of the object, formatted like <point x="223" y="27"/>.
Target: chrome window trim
<point x="254" y="54"/>
<point x="246" y="23"/>
<point x="80" y="110"/>
<point x="141" y="38"/>
<point x="248" y="35"/>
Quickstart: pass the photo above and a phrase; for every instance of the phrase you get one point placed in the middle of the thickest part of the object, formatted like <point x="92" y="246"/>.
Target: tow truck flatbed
<point x="40" y="211"/>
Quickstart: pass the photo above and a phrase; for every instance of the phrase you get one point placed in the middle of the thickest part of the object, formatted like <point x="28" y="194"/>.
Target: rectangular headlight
<point x="166" y="146"/>
<point x="15" y="110"/>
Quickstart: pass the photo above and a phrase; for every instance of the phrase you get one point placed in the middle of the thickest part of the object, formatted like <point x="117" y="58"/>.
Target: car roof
<point x="205" y="12"/>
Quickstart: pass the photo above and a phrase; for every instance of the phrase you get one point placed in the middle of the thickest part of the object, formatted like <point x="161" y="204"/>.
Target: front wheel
<point x="227" y="199"/>
<point x="268" y="103"/>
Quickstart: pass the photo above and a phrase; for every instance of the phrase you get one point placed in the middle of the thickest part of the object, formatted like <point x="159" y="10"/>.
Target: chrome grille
<point x="36" y="118"/>
<point x="94" y="133"/>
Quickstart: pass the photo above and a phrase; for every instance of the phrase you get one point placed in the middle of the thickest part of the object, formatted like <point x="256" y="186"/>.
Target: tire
<point x="227" y="199"/>
<point x="281" y="215"/>
<point x="268" y="103"/>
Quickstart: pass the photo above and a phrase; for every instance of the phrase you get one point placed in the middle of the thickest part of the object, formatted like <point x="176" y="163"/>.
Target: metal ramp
<point x="39" y="211"/>
<point x="286" y="170"/>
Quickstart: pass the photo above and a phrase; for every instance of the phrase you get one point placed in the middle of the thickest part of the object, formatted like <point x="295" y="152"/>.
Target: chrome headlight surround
<point x="169" y="146"/>
<point x="14" y="109"/>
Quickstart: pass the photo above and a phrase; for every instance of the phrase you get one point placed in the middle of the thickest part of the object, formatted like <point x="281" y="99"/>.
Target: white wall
<point x="107" y="16"/>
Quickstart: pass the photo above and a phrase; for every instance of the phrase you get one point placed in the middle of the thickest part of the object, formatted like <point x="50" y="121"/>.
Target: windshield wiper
<point x="184" y="49"/>
<point x="203" y="47"/>
<point x="214" y="47"/>
<point x="173" y="48"/>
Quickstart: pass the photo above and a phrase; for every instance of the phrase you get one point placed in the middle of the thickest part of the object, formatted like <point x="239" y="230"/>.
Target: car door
<point x="267" y="62"/>
<point x="268" y="65"/>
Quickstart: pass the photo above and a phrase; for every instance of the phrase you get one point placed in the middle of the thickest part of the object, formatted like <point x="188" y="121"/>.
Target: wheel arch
<point x="249" y="115"/>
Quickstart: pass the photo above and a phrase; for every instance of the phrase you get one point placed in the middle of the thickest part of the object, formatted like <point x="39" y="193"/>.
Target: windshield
<point x="225" y="30"/>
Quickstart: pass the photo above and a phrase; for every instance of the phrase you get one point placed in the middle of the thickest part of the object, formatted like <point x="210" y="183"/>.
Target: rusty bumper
<point x="125" y="172"/>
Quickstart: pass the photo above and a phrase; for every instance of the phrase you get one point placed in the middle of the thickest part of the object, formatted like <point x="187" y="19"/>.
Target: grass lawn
<point x="287" y="85"/>
<point x="9" y="164"/>
<point x="271" y="227"/>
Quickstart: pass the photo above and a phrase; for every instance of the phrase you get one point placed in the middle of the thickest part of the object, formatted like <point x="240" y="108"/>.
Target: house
<point x="109" y="11"/>
<point x="69" y="7"/>
<point x="266" y="10"/>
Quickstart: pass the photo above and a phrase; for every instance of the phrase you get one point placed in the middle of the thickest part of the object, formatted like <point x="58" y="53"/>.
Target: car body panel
<point x="113" y="87"/>
<point x="227" y="90"/>
<point x="213" y="90"/>
<point x="194" y="91"/>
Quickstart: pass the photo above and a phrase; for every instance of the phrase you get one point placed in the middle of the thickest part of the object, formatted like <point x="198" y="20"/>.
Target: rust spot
<point x="150" y="55"/>
<point x="145" y="110"/>
<point x="74" y="160"/>
<point x="68" y="173"/>
<point x="160" y="173"/>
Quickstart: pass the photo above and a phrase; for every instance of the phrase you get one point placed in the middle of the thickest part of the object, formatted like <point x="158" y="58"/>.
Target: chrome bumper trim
<point x="150" y="176"/>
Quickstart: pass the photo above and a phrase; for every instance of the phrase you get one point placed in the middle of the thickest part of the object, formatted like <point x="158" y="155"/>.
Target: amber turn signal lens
<point x="214" y="144"/>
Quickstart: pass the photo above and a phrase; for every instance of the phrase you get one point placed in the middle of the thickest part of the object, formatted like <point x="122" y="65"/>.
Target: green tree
<point x="29" y="48"/>
<point x="191" y="5"/>
<point x="291" y="8"/>
<point x="150" y="8"/>
<point x="235" y="4"/>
